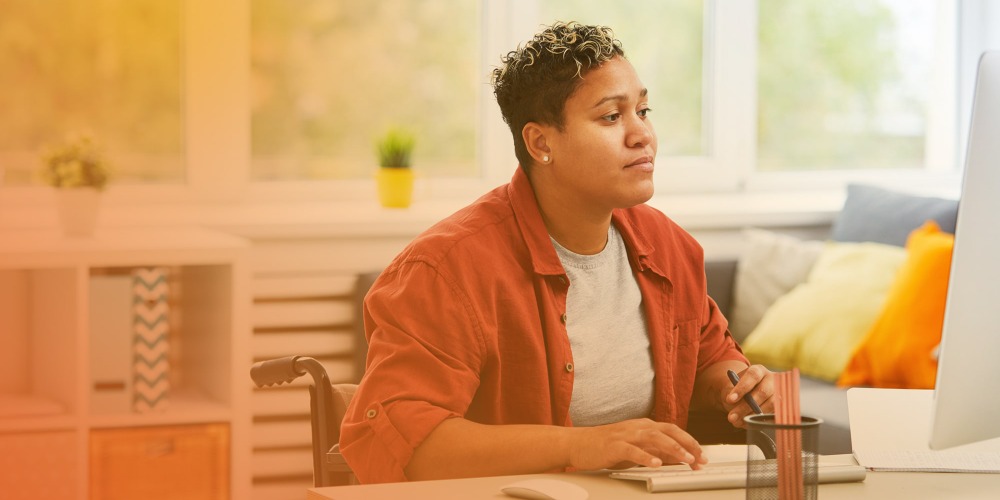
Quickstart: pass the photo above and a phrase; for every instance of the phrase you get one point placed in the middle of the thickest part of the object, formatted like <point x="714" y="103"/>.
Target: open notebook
<point x="890" y="430"/>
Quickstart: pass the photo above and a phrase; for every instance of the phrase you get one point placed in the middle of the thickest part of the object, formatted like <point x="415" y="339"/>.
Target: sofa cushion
<point x="720" y="276"/>
<point x="875" y="214"/>
<point x="898" y="351"/>
<point x="770" y="266"/>
<point x="817" y="325"/>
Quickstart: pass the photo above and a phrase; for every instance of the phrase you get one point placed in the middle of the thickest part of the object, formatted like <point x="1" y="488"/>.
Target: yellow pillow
<point x="898" y="351"/>
<point x="818" y="324"/>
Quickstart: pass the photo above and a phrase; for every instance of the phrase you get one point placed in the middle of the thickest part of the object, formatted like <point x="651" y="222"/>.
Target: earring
<point x="545" y="159"/>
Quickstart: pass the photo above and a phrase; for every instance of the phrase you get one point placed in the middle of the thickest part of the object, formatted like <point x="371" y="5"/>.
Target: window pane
<point x="108" y="68"/>
<point x="846" y="84"/>
<point x="330" y="76"/>
<point x="663" y="40"/>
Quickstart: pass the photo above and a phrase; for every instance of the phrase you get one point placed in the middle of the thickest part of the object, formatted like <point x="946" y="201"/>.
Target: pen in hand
<point x="734" y="378"/>
<point x="759" y="437"/>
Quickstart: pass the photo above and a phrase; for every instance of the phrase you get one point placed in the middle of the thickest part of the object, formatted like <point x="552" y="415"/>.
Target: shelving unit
<point x="50" y="425"/>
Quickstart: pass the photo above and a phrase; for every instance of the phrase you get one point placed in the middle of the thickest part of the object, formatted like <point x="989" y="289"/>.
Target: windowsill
<point x="357" y="219"/>
<point x="348" y="209"/>
<point x="324" y="219"/>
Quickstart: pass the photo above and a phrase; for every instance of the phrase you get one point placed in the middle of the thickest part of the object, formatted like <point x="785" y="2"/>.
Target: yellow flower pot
<point x="395" y="187"/>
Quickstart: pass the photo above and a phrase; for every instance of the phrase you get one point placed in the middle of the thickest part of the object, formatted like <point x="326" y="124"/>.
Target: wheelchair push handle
<point x="277" y="371"/>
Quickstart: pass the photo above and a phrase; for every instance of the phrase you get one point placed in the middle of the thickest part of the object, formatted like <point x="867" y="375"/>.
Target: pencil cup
<point x="782" y="458"/>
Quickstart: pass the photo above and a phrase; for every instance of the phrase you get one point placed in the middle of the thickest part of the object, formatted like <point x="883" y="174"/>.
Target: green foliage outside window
<point x="329" y="76"/>
<point x="831" y="87"/>
<point x="111" y="67"/>
<point x="663" y="40"/>
<point x="840" y="84"/>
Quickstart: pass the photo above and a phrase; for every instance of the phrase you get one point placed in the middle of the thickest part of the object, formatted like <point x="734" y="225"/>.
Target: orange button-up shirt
<point x="469" y="322"/>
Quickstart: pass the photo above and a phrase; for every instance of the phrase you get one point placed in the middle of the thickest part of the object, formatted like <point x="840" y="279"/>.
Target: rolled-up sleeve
<point x="424" y="358"/>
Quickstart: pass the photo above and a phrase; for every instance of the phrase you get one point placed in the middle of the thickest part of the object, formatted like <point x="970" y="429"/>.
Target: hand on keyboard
<point x="639" y="441"/>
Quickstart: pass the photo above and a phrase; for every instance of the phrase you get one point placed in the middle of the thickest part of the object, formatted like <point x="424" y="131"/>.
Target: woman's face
<point x="605" y="153"/>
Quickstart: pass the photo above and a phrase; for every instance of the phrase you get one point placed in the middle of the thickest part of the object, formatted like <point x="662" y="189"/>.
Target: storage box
<point x="189" y="462"/>
<point x="111" y="344"/>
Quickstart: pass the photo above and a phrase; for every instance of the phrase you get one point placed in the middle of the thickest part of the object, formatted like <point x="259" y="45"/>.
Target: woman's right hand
<point x="632" y="442"/>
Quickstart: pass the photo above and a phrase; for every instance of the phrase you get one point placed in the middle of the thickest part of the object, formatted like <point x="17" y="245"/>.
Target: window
<point x="851" y="84"/>
<point x="741" y="89"/>
<point x="110" y="69"/>
<point x="667" y="54"/>
<point x="330" y="76"/>
<point x="213" y="97"/>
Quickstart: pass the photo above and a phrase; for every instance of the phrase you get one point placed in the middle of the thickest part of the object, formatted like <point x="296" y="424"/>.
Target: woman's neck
<point x="578" y="226"/>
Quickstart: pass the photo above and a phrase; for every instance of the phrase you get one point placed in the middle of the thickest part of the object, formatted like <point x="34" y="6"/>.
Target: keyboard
<point x="725" y="476"/>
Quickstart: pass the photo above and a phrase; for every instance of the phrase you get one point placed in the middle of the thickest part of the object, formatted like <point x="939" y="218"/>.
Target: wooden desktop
<point x="878" y="485"/>
<point x="890" y="419"/>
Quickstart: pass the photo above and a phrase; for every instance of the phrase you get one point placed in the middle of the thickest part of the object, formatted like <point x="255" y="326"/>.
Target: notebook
<point x="890" y="430"/>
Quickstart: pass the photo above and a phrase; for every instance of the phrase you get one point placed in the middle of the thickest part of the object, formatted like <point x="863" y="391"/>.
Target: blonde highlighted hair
<point x="533" y="82"/>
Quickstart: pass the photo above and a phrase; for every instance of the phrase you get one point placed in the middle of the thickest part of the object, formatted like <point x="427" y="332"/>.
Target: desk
<point x="878" y="485"/>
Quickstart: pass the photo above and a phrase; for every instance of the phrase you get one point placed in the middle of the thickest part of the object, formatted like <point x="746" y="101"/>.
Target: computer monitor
<point x="967" y="395"/>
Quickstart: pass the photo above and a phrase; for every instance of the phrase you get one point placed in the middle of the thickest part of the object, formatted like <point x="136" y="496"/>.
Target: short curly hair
<point x="533" y="82"/>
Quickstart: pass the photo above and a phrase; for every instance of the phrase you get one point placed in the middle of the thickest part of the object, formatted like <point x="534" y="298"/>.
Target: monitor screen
<point x="966" y="400"/>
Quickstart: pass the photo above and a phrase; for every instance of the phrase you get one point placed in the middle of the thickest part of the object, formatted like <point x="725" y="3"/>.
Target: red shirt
<point x="469" y="321"/>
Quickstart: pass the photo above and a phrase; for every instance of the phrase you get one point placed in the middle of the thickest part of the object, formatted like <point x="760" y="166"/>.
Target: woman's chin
<point x="643" y="193"/>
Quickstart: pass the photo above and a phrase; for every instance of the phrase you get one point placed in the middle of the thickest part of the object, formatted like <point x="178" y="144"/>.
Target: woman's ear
<point x="535" y="141"/>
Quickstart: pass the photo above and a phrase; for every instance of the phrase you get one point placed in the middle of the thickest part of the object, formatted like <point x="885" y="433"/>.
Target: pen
<point x="734" y="378"/>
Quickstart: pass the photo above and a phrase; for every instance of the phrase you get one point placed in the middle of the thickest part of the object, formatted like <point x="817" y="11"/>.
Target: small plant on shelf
<point x="79" y="170"/>
<point x="395" y="177"/>
<point x="395" y="148"/>
<point x="76" y="162"/>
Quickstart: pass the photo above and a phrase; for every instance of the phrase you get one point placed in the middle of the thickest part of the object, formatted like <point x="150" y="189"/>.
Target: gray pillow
<point x="875" y="214"/>
<point x="770" y="266"/>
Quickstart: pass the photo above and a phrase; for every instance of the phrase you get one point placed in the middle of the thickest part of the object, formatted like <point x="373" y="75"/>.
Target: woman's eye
<point x="613" y="117"/>
<point x="644" y="112"/>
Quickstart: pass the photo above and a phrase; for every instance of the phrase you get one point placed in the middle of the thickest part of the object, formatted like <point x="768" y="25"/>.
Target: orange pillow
<point x="898" y="351"/>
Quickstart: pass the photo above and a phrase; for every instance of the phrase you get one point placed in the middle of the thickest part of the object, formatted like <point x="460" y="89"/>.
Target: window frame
<point x="216" y="77"/>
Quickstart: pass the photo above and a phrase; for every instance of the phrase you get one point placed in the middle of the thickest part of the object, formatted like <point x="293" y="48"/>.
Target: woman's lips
<point x="644" y="164"/>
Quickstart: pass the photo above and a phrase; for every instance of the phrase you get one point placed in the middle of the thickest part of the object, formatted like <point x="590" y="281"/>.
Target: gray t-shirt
<point x="613" y="367"/>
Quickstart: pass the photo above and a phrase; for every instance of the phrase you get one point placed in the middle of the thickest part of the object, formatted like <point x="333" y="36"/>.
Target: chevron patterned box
<point x="151" y="330"/>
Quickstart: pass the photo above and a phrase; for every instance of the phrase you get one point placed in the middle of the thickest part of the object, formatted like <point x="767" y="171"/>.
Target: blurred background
<point x="268" y="91"/>
<point x="259" y="119"/>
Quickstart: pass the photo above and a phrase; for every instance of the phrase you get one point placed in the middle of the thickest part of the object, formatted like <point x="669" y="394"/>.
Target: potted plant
<point x="394" y="177"/>
<point x="79" y="171"/>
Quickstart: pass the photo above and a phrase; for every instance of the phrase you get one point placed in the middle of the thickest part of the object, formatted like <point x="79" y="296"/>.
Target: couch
<point x="785" y="297"/>
<point x="818" y="398"/>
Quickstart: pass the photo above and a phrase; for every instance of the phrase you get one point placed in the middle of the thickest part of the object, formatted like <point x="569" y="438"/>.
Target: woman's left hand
<point x="759" y="383"/>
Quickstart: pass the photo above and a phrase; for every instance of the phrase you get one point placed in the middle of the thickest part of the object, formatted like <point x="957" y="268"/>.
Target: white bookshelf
<point x="46" y="382"/>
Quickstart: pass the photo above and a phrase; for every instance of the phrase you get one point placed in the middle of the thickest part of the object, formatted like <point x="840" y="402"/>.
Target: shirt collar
<point x="543" y="255"/>
<point x="529" y="219"/>
<point x="635" y="242"/>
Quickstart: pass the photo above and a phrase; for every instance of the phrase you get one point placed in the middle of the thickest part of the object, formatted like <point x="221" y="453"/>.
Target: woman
<point x="557" y="322"/>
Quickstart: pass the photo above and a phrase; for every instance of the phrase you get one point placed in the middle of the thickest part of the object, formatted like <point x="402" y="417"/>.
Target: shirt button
<point x="371" y="413"/>
<point x="569" y="367"/>
<point x="563" y="318"/>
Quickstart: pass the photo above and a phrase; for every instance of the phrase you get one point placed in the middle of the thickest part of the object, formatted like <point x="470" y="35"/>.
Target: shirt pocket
<point x="686" y="336"/>
<point x="683" y="347"/>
